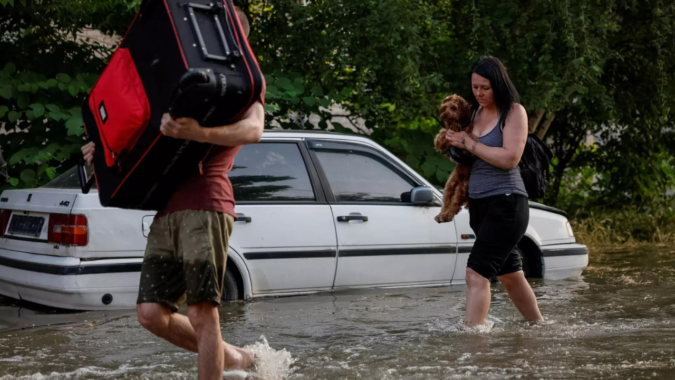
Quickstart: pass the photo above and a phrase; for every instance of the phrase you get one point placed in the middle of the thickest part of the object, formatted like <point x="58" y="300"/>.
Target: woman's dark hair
<point x="504" y="91"/>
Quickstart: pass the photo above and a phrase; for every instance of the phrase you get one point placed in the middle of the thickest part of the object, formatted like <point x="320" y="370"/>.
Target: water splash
<point x="456" y="324"/>
<point x="270" y="364"/>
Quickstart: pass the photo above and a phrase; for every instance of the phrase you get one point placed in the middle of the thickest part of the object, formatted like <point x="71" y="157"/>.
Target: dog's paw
<point x="440" y="218"/>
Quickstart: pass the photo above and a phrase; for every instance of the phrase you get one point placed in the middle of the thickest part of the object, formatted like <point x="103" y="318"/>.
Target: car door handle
<point x="349" y="218"/>
<point x="243" y="218"/>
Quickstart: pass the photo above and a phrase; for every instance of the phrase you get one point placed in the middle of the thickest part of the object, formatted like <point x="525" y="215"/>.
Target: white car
<point x="317" y="212"/>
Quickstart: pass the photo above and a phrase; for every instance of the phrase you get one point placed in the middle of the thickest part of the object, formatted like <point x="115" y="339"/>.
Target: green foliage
<point x="628" y="225"/>
<point x="381" y="68"/>
<point x="45" y="75"/>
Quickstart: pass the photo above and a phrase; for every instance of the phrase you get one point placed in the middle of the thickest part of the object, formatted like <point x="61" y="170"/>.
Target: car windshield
<point x="68" y="180"/>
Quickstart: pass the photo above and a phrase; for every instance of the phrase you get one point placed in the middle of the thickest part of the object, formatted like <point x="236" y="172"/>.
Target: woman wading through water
<point x="498" y="208"/>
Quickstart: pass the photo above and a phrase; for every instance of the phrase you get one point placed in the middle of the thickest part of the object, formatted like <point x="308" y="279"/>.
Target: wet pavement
<point x="616" y="321"/>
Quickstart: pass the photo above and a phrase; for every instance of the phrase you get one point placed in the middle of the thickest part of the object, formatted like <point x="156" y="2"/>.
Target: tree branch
<point x="534" y="122"/>
<point x="544" y="127"/>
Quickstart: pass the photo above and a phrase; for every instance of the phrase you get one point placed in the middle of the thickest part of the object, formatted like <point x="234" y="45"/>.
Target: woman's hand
<point x="458" y="139"/>
<point x="88" y="152"/>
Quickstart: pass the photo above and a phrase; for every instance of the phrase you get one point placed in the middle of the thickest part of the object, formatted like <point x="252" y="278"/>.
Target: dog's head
<point x="455" y="112"/>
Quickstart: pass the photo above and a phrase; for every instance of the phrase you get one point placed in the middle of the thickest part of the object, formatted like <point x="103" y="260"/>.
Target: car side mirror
<point x="421" y="195"/>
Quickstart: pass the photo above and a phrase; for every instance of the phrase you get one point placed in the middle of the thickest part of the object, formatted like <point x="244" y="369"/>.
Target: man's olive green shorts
<point x="185" y="258"/>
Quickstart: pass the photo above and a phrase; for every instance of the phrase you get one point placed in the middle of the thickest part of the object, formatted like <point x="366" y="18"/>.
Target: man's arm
<point x="246" y="131"/>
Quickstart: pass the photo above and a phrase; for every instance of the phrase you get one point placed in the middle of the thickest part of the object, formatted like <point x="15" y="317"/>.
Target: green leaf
<point x="3" y="111"/>
<point x="23" y="101"/>
<point x="30" y="115"/>
<point x="17" y="157"/>
<point x="38" y="109"/>
<point x="62" y="86"/>
<point x="9" y="68"/>
<point x="75" y="126"/>
<point x="286" y="84"/>
<point x="14" y="181"/>
<point x="53" y="107"/>
<point x="346" y="92"/>
<point x="446" y="165"/>
<point x="51" y="172"/>
<point x="442" y="175"/>
<point x="52" y="83"/>
<point x="428" y="169"/>
<point x="412" y="161"/>
<point x="76" y="111"/>
<point x="325" y="103"/>
<point x="73" y="90"/>
<point x="64" y="78"/>
<point x="14" y="116"/>
<point x="28" y="176"/>
<point x="271" y="108"/>
<point x="310" y="101"/>
<point x="317" y="91"/>
<point x="6" y="92"/>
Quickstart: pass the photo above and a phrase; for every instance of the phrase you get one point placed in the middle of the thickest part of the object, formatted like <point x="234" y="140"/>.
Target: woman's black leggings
<point x="499" y="223"/>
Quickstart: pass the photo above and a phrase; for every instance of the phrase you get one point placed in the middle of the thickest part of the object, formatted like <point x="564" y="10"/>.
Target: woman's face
<point x="482" y="90"/>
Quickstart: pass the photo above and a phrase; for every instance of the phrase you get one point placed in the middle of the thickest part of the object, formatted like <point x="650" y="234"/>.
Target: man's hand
<point x="88" y="152"/>
<point x="182" y="128"/>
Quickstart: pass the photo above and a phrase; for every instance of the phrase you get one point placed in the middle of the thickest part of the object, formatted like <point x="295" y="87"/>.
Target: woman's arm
<point x="515" y="137"/>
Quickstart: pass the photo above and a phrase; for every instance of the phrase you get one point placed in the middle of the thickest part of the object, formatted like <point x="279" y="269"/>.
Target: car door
<point x="383" y="239"/>
<point x="285" y="229"/>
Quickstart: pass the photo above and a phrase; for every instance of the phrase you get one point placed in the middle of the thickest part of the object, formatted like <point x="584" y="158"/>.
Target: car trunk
<point x="58" y="220"/>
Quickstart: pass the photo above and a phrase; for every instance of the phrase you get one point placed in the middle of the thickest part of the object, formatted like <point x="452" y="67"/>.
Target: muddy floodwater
<point x="616" y="321"/>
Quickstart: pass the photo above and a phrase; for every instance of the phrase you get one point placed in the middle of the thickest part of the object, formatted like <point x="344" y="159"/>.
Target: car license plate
<point x="26" y="225"/>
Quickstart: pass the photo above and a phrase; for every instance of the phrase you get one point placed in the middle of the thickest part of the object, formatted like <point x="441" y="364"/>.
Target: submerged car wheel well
<point x="237" y="277"/>
<point x="533" y="264"/>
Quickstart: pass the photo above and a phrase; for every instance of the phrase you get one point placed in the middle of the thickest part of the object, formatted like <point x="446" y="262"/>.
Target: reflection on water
<point x="614" y="322"/>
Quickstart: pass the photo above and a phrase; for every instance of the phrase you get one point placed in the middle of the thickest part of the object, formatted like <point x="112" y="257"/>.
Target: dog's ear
<point x="465" y="111"/>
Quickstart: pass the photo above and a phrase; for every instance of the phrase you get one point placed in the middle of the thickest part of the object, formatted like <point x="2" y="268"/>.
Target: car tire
<point x="231" y="291"/>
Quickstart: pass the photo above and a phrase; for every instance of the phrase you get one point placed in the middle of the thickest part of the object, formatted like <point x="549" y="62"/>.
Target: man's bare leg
<point x="522" y="295"/>
<point x="477" y="298"/>
<point x="177" y="330"/>
<point x="206" y="323"/>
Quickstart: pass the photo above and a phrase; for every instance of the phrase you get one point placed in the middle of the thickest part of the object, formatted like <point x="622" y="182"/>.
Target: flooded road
<point x="617" y="321"/>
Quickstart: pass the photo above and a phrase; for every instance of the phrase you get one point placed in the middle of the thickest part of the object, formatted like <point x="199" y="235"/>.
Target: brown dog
<point x="456" y="116"/>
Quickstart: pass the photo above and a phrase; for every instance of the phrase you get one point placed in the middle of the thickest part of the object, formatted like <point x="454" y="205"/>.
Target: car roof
<point x="312" y="133"/>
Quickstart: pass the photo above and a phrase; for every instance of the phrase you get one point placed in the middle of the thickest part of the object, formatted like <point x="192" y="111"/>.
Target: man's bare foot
<point x="237" y="358"/>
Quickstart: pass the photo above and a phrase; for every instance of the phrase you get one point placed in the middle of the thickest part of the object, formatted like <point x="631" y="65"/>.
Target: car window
<point x="361" y="177"/>
<point x="68" y="180"/>
<point x="271" y="172"/>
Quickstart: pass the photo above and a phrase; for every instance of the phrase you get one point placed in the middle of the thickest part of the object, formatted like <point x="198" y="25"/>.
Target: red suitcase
<point x="189" y="58"/>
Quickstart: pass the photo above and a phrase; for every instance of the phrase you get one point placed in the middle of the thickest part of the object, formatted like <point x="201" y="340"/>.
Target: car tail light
<point x="4" y="220"/>
<point x="68" y="229"/>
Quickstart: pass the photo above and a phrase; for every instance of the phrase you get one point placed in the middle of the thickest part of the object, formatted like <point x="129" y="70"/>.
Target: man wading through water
<point x="186" y="253"/>
<point x="498" y="208"/>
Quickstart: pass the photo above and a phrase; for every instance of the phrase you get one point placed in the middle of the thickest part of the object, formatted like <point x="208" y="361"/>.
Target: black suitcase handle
<point x="217" y="9"/>
<point x="195" y="82"/>
<point x="85" y="184"/>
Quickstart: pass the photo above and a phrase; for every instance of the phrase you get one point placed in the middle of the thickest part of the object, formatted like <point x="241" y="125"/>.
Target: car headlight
<point x="569" y="229"/>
